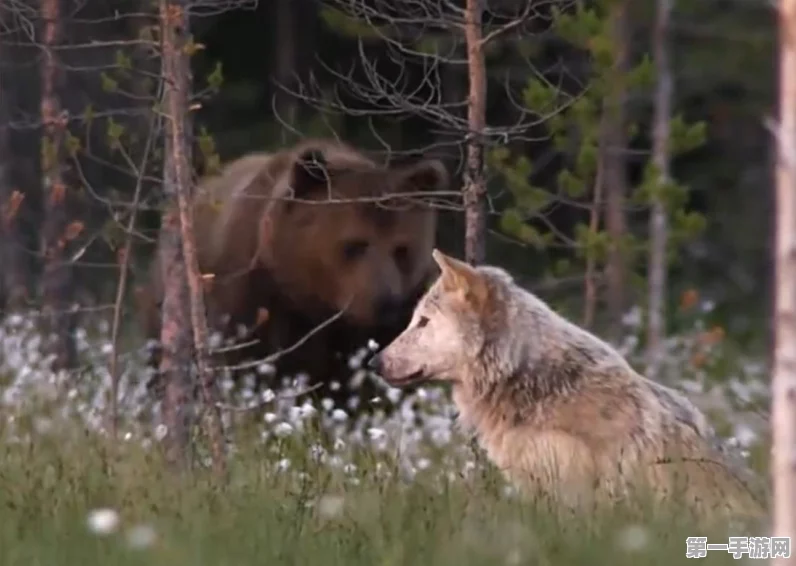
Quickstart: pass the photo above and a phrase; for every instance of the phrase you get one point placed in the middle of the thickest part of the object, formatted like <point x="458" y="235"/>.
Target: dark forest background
<point x="267" y="73"/>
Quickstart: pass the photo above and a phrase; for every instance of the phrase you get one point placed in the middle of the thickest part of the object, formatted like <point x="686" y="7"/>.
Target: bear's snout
<point x="389" y="309"/>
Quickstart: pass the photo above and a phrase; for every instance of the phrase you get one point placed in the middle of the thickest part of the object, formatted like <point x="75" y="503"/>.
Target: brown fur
<point x="272" y="245"/>
<point x="557" y="409"/>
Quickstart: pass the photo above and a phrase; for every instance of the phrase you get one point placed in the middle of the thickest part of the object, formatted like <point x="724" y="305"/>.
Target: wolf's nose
<point x="374" y="363"/>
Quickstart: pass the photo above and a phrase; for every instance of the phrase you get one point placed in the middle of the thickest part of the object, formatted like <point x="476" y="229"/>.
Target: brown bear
<point x="282" y="260"/>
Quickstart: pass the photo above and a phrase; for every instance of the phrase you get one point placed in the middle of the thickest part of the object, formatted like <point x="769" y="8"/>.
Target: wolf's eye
<point x="422" y="322"/>
<point x="354" y="249"/>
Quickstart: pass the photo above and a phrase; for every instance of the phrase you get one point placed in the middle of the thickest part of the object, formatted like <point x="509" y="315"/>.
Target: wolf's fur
<point x="557" y="409"/>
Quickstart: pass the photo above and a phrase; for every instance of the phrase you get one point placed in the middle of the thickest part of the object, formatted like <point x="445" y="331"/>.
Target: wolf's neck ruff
<point x="552" y="357"/>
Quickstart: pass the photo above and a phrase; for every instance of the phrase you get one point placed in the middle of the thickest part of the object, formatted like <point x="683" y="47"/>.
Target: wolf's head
<point x="450" y="327"/>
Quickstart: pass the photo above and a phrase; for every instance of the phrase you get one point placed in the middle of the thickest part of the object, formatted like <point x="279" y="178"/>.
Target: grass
<point x="309" y="484"/>
<point x="309" y="514"/>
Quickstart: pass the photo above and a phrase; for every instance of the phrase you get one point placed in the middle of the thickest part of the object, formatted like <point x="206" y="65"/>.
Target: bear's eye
<point x="401" y="254"/>
<point x="422" y="322"/>
<point x="354" y="249"/>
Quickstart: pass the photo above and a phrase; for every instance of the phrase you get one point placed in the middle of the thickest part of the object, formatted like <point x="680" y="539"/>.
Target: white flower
<point x="632" y="318"/>
<point x="266" y="369"/>
<point x="141" y="536"/>
<point x="317" y="452"/>
<point x="331" y="506"/>
<point x="376" y="433"/>
<point x="161" y="431"/>
<point x="633" y="537"/>
<point x="307" y="410"/>
<point x="283" y="429"/>
<point x="394" y="394"/>
<point x="103" y="521"/>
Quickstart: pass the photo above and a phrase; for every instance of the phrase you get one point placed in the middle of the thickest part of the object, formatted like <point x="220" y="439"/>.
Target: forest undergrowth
<point x="311" y="483"/>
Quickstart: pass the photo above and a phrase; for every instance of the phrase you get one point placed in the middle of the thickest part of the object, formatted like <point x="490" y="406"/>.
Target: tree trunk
<point x="783" y="410"/>
<point x="286" y="61"/>
<point x="176" y="364"/>
<point x="14" y="279"/>
<point x="614" y="144"/>
<point x="658" y="220"/>
<point x="58" y="278"/>
<point x="590" y="283"/>
<point x="184" y="321"/>
<point x="474" y="176"/>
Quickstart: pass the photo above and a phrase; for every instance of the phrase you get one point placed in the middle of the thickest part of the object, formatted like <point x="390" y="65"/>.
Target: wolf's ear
<point x="462" y="279"/>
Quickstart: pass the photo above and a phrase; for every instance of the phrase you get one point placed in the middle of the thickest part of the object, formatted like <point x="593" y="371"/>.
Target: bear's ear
<point x="309" y="171"/>
<point x="428" y="175"/>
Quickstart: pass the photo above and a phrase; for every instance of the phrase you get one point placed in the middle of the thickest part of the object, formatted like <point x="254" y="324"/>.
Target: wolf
<point x="557" y="409"/>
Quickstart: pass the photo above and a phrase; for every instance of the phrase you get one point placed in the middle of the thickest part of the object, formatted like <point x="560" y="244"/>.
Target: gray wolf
<point x="557" y="409"/>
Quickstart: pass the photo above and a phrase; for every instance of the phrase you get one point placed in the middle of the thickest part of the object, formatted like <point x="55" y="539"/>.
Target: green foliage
<point x="49" y="153"/>
<point x="207" y="150"/>
<point x="114" y="132"/>
<point x="216" y="77"/>
<point x="529" y="200"/>
<point x="686" y="137"/>
<point x="539" y="96"/>
<point x="123" y="61"/>
<point x="108" y="84"/>
<point x="72" y="144"/>
<point x="430" y="44"/>
<point x="575" y="127"/>
<point x="350" y="26"/>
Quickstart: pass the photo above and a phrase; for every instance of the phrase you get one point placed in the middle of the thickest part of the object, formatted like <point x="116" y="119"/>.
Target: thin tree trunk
<point x="590" y="283"/>
<point x="783" y="410"/>
<point x="614" y="144"/>
<point x="14" y="279"/>
<point x="474" y="177"/>
<point x="176" y="364"/>
<point x="58" y="279"/>
<point x="658" y="220"/>
<point x="186" y="312"/>
<point x="286" y="60"/>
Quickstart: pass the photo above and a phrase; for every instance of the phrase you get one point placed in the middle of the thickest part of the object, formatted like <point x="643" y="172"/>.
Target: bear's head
<point x="353" y="235"/>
